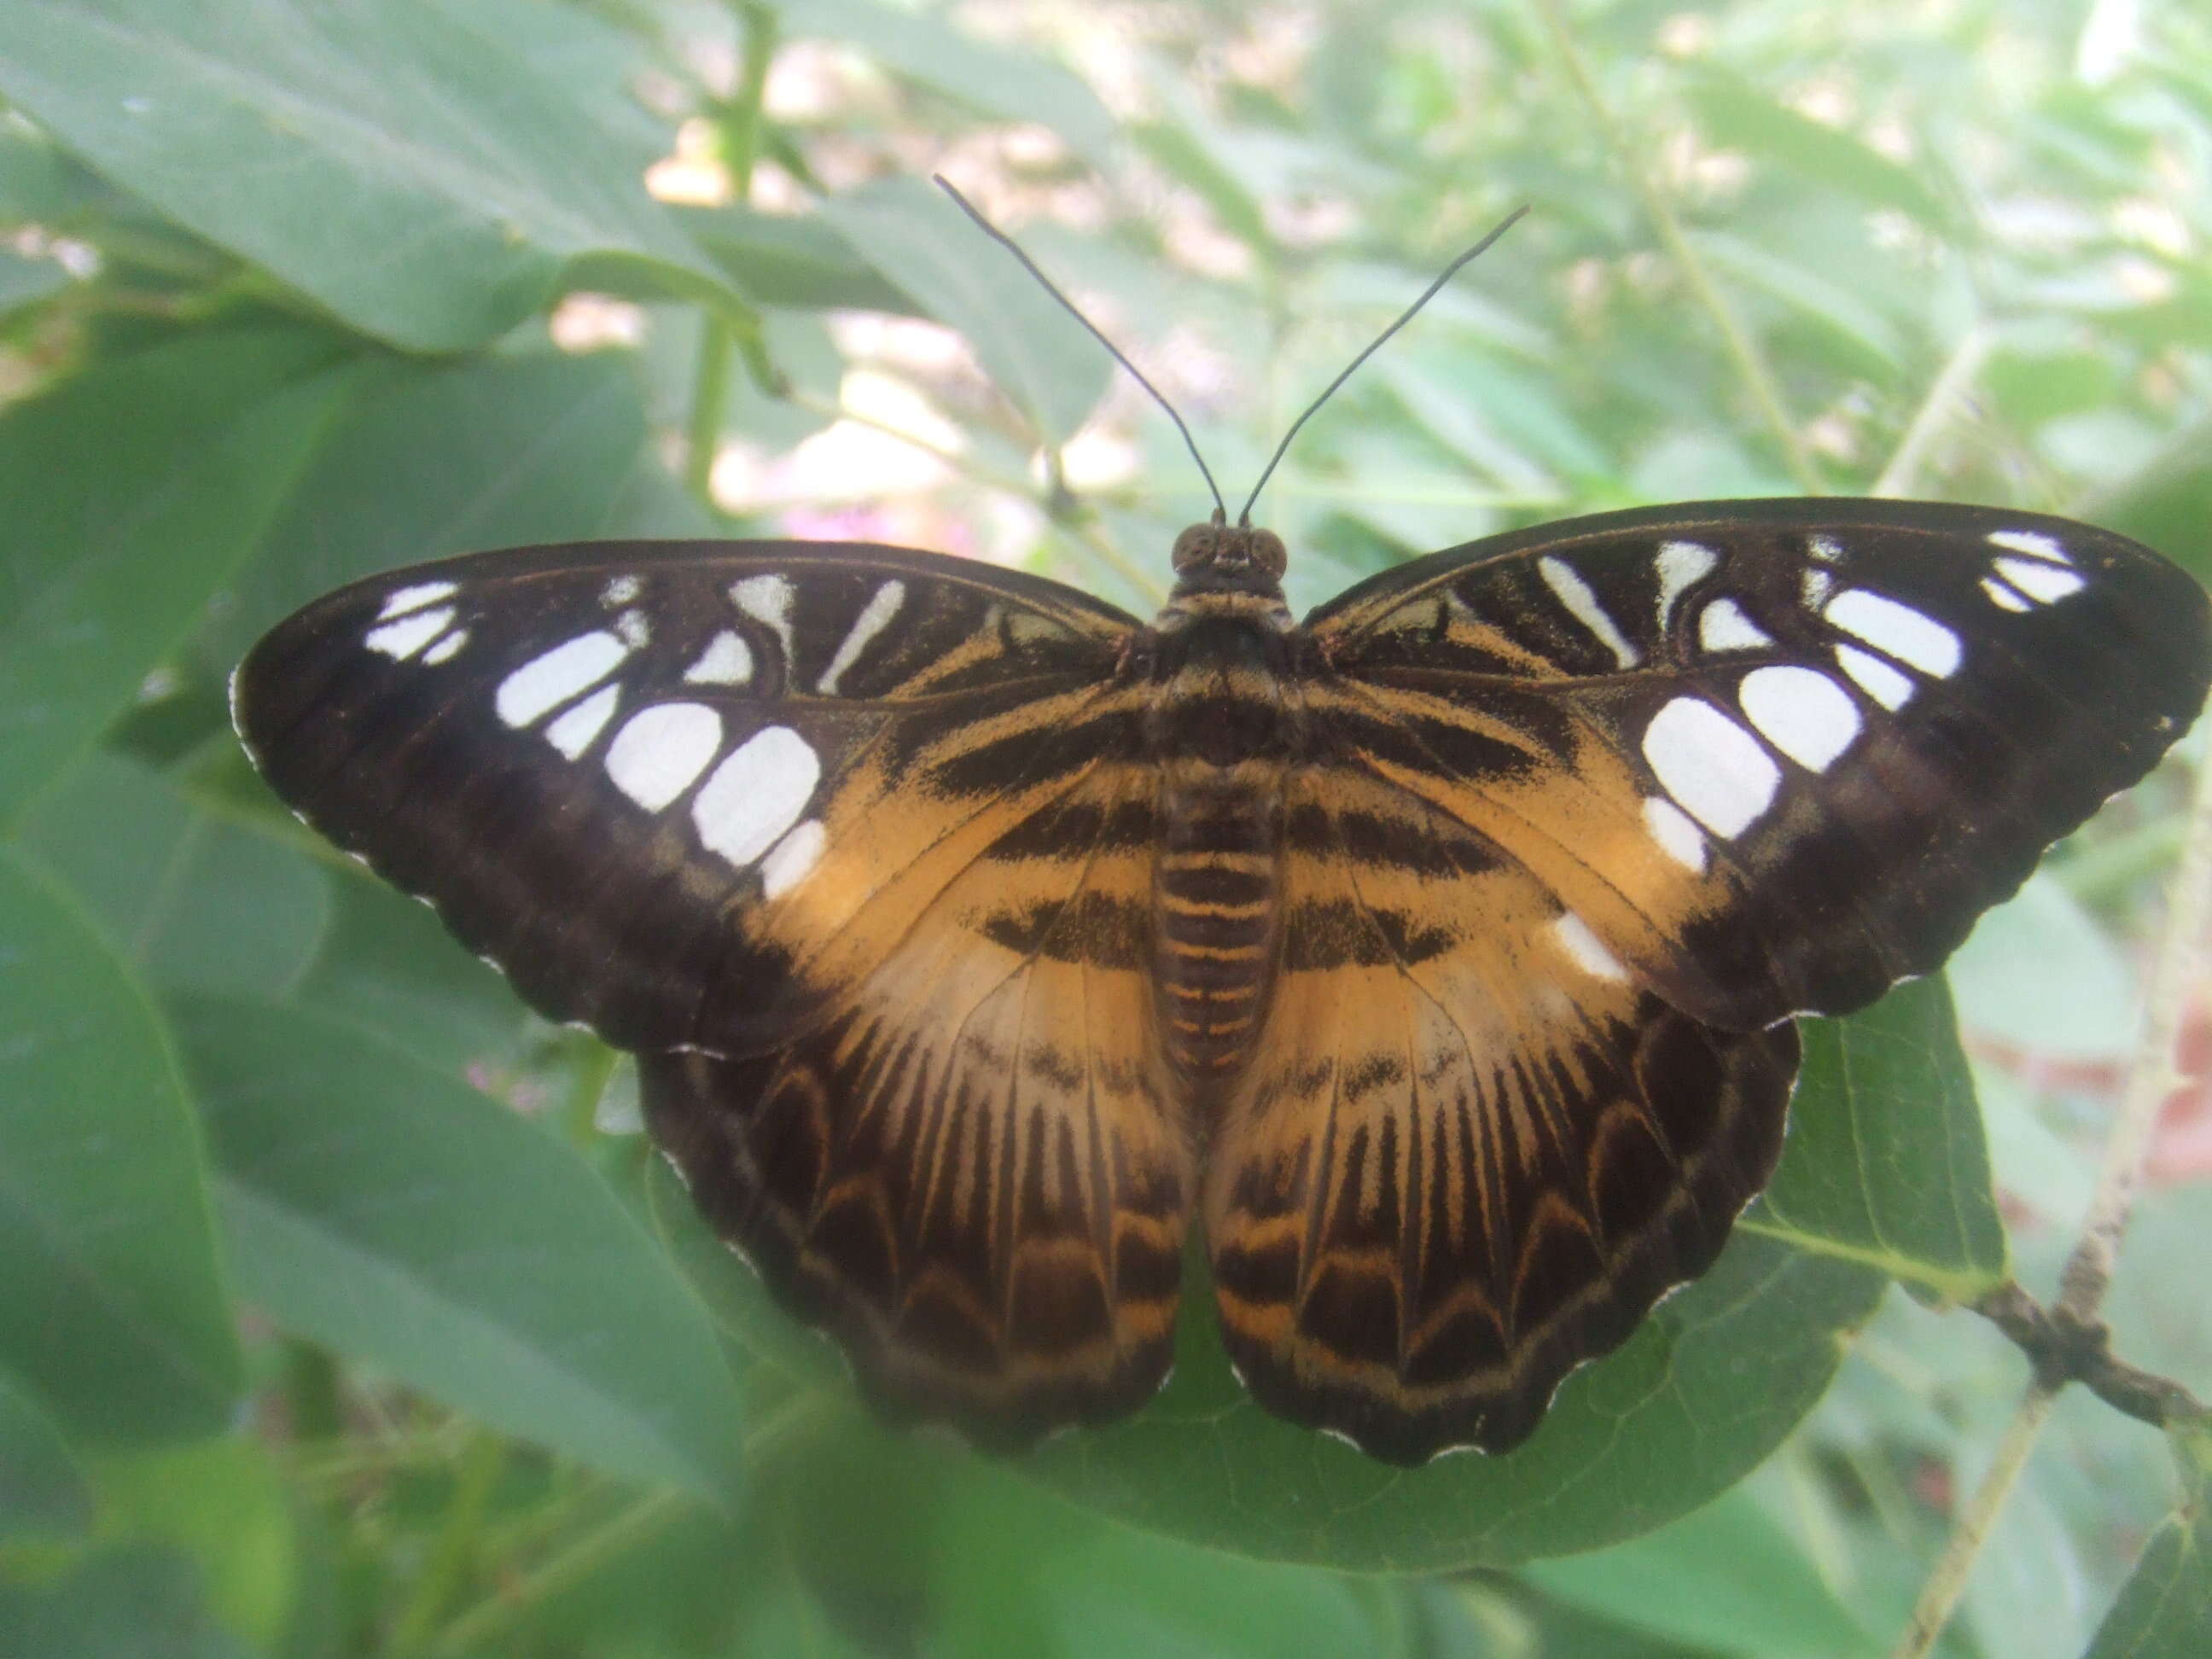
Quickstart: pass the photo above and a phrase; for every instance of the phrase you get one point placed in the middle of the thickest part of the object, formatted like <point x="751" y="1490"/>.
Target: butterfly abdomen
<point x="1224" y="728"/>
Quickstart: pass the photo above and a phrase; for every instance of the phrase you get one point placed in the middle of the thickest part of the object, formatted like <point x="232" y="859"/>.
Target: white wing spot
<point x="551" y="679"/>
<point x="634" y="630"/>
<point x="573" y="731"/>
<point x="1587" y="954"/>
<point x="1678" y="838"/>
<point x="1722" y="626"/>
<point x="1802" y="712"/>
<point x="2000" y="595"/>
<point x="1572" y="592"/>
<point x="447" y="648"/>
<point x="755" y="794"/>
<point x="1884" y="683"/>
<point x="1827" y="548"/>
<point x="403" y="599"/>
<point x="875" y="616"/>
<point x="2032" y="542"/>
<point x="1897" y="630"/>
<point x="1680" y="565"/>
<point x="767" y="600"/>
<point x="727" y="660"/>
<point x="1714" y="769"/>
<point x="1817" y="585"/>
<point x="403" y="639"/>
<point x="662" y="749"/>
<point x="621" y="590"/>
<point x="790" y="860"/>
<point x="2043" y="583"/>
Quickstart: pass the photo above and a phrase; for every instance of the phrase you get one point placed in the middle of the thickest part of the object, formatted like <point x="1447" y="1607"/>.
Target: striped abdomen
<point x="1214" y="902"/>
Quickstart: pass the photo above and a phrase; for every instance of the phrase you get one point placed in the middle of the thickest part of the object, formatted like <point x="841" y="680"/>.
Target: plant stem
<point x="481" y="1624"/>
<point x="1751" y="365"/>
<point x="1945" y="395"/>
<point x="454" y="1551"/>
<point x="2151" y="1078"/>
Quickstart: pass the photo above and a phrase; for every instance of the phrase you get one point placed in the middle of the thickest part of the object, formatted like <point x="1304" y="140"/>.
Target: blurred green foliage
<point x="343" y="1311"/>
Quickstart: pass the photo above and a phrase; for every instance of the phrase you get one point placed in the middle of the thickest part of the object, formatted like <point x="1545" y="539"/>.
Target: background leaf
<point x="379" y="1206"/>
<point x="189" y="449"/>
<point x="113" y="1308"/>
<point x="468" y="179"/>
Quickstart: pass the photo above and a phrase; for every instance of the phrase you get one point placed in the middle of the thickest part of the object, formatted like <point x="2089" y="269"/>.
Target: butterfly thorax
<point x="1222" y="729"/>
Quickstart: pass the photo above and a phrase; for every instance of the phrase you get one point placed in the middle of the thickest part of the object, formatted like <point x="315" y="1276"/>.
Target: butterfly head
<point x="1216" y="557"/>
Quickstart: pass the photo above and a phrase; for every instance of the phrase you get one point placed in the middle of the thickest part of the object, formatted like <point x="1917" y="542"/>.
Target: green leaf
<point x="798" y="264"/>
<point x="2038" y="972"/>
<point x="2165" y="1607"/>
<point x="25" y="282"/>
<point x="131" y="495"/>
<point x="402" y="164"/>
<point x="43" y="1492"/>
<point x="1873" y="344"/>
<point x="1738" y="118"/>
<point x="436" y="460"/>
<point x="133" y="1600"/>
<point x="1886" y="1164"/>
<point x="1731" y="1577"/>
<point x="222" y="1503"/>
<point x="188" y="899"/>
<point x="1039" y="355"/>
<point x="112" y="1306"/>
<point x="383" y="1209"/>
<point x="1708" y="1386"/>
<point x="993" y="80"/>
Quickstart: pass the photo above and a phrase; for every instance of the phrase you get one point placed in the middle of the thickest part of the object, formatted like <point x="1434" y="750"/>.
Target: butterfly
<point x="1436" y="958"/>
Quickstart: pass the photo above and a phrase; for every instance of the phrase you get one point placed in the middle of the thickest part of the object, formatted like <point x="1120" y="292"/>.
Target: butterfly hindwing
<point x="1470" y="1152"/>
<point x="659" y="784"/>
<point x="1778" y="755"/>
<point x="976" y="1176"/>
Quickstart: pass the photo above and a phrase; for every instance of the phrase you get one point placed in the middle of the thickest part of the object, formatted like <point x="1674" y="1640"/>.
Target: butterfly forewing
<point x="1776" y="755"/>
<point x="682" y="792"/>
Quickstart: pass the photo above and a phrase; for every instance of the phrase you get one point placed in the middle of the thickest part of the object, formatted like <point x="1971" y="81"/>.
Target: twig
<point x="1757" y="379"/>
<point x="2064" y="1351"/>
<point x="2088" y="1273"/>
<point x="1944" y="397"/>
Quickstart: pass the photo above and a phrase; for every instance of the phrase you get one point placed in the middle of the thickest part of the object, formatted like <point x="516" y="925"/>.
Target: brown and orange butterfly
<point x="1437" y="954"/>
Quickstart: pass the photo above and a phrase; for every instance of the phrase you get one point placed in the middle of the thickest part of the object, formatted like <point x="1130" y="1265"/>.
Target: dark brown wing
<point x="852" y="845"/>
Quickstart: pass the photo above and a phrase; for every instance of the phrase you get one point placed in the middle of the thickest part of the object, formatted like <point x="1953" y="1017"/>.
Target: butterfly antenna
<point x="1220" y="508"/>
<point x="1405" y="317"/>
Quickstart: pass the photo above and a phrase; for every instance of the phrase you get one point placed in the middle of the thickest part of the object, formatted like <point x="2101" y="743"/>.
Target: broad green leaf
<point x="1738" y="118"/>
<point x="132" y="1600"/>
<point x="994" y="80"/>
<point x="387" y="963"/>
<point x="130" y="495"/>
<point x="1872" y="339"/>
<point x="436" y="460"/>
<point x="1886" y="1164"/>
<point x="2040" y="974"/>
<point x="2165" y="1608"/>
<point x="2167" y="503"/>
<point x="400" y="162"/>
<point x="40" y="182"/>
<point x="191" y="900"/>
<point x="25" y="282"/>
<point x="222" y="1503"/>
<point x="112" y="1307"/>
<point x="403" y="1220"/>
<point x="1038" y="355"/>
<point x="1704" y="1390"/>
<point x="1731" y="1577"/>
<point x="1015" y="1569"/>
<point x="43" y="1492"/>
<point x="799" y="263"/>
